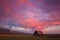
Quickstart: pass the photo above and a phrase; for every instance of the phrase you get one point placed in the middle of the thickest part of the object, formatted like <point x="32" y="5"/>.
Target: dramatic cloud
<point x="38" y="14"/>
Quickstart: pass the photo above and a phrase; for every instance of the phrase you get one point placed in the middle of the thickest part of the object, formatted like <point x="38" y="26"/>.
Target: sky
<point x="38" y="14"/>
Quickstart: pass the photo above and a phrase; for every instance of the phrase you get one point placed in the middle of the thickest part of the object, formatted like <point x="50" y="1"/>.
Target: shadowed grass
<point x="29" y="37"/>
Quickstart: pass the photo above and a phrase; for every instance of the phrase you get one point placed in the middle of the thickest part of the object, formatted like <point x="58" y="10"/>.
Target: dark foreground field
<point x="28" y="37"/>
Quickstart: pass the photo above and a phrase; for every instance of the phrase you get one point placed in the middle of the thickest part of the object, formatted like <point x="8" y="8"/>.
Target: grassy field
<point x="29" y="37"/>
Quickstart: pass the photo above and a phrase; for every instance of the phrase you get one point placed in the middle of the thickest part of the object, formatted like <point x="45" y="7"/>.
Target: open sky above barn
<point x="38" y="14"/>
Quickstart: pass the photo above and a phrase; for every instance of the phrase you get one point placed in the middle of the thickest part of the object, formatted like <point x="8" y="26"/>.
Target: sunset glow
<point x="29" y="13"/>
